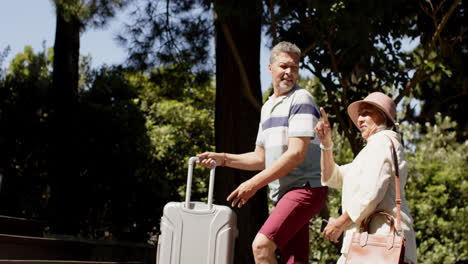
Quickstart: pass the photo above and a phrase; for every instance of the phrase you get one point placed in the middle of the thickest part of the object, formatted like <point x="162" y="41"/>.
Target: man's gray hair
<point x="284" y="47"/>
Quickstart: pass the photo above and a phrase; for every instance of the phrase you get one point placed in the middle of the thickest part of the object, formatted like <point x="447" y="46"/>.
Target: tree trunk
<point x="238" y="103"/>
<point x="66" y="59"/>
<point x="63" y="97"/>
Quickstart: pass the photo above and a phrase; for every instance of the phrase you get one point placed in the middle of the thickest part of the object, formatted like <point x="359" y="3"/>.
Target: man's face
<point x="285" y="72"/>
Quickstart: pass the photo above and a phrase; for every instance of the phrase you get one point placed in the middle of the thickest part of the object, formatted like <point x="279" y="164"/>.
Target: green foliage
<point x="3" y="55"/>
<point x="437" y="191"/>
<point x="443" y="58"/>
<point x="23" y="128"/>
<point x="321" y="250"/>
<point x="130" y="138"/>
<point x="176" y="32"/>
<point x="110" y="148"/>
<point x="28" y="65"/>
<point x="137" y="136"/>
<point x="444" y="90"/>
<point x="180" y="124"/>
<point x="94" y="13"/>
<point x="133" y="132"/>
<point x="345" y="154"/>
<point x="354" y="48"/>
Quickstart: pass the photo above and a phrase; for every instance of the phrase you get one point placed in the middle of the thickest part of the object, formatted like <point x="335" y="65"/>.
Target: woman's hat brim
<point x="353" y="110"/>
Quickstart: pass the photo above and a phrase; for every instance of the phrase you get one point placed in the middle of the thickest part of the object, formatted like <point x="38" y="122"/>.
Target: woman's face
<point x="369" y="120"/>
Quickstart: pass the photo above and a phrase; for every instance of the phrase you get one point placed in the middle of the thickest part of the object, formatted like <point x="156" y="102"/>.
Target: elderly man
<point x="287" y="154"/>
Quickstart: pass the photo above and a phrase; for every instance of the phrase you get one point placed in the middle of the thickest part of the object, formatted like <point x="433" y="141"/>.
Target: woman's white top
<point x="368" y="185"/>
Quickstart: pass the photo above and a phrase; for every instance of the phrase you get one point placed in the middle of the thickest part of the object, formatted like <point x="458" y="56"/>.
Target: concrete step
<point x="20" y="226"/>
<point x="21" y="249"/>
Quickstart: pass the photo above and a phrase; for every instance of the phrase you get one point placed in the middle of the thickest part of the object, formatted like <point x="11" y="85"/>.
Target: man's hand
<point x="242" y="194"/>
<point x="208" y="159"/>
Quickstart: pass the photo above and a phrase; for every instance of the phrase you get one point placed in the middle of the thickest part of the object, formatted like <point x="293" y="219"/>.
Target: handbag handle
<point x="397" y="186"/>
<point x="365" y="224"/>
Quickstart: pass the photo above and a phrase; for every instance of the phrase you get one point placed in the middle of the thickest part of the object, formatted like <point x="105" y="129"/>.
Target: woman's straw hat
<point x="377" y="99"/>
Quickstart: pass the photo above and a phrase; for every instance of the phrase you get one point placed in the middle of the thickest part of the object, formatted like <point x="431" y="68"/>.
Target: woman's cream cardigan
<point x="368" y="185"/>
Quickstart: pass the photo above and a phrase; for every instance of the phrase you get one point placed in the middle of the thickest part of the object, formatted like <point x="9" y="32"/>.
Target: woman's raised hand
<point x="323" y="129"/>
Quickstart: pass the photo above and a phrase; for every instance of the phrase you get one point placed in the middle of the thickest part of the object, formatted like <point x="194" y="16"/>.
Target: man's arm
<point x="252" y="161"/>
<point x="297" y="150"/>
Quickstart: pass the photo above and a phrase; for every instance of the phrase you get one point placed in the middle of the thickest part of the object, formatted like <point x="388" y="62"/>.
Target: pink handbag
<point x="380" y="249"/>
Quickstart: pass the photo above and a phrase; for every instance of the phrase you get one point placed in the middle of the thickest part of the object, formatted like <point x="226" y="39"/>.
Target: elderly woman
<point x="368" y="182"/>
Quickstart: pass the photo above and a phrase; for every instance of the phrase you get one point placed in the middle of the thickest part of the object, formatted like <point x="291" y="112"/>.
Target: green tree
<point x="178" y="33"/>
<point x="134" y="135"/>
<point x="167" y="33"/>
<point x="23" y="128"/>
<point x="238" y="99"/>
<point x="355" y="47"/>
<point x="437" y="190"/>
<point x="179" y="124"/>
<point x="3" y="55"/>
<point x="446" y="89"/>
<point x="131" y="136"/>
<point x="73" y="17"/>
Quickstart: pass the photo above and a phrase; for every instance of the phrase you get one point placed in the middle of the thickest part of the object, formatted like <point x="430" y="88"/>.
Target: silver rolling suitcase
<point x="197" y="232"/>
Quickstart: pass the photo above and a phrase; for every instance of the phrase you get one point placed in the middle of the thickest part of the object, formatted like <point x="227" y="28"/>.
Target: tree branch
<point x="420" y="73"/>
<point x="308" y="48"/>
<point x="344" y="84"/>
<point x="273" y="21"/>
<point x="443" y="22"/>
<point x="310" y="69"/>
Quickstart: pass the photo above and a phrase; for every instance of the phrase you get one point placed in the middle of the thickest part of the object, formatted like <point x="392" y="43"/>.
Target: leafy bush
<point x="179" y="123"/>
<point x="437" y="191"/>
<point x="321" y="250"/>
<point x="132" y="136"/>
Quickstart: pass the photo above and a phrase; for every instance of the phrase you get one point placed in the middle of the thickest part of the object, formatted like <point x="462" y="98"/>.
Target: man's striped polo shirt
<point x="294" y="114"/>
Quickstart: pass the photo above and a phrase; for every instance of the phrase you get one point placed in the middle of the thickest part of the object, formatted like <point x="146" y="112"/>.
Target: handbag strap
<point x="397" y="186"/>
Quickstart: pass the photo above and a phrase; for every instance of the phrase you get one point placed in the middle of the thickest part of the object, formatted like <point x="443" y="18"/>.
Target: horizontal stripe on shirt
<point x="304" y="109"/>
<point x="275" y="122"/>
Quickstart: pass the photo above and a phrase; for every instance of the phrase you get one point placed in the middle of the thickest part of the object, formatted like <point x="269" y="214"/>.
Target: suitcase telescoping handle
<point x="192" y="161"/>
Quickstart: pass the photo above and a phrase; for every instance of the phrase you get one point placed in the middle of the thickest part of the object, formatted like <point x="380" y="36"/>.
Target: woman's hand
<point x="336" y="227"/>
<point x="333" y="230"/>
<point x="323" y="130"/>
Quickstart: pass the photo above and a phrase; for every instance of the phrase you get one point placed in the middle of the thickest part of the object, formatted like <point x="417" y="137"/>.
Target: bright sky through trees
<point x="36" y="24"/>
